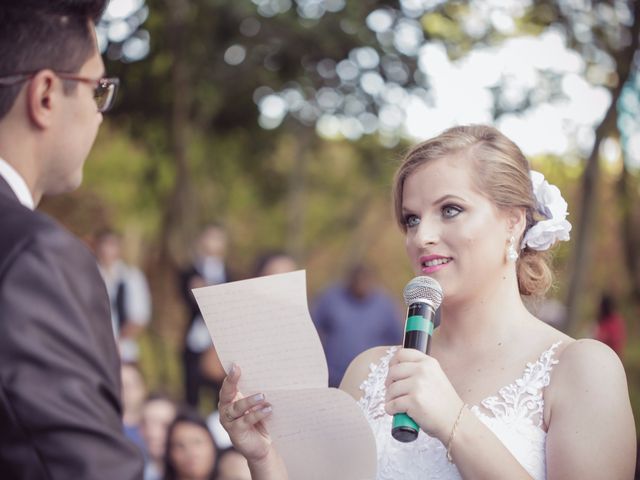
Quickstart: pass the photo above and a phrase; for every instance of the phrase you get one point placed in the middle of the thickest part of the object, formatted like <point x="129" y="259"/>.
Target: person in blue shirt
<point x="353" y="316"/>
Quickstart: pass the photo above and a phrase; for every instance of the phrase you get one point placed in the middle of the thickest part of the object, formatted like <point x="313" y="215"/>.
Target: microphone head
<point x="424" y="289"/>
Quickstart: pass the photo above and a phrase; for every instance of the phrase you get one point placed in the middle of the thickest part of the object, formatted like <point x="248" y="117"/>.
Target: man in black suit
<point x="208" y="267"/>
<point x="60" y="413"/>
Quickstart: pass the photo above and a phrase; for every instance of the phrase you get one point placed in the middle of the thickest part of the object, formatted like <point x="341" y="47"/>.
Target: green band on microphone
<point x="419" y="323"/>
<point x="404" y="420"/>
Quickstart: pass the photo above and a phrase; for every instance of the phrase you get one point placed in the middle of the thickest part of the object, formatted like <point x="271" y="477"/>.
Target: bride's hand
<point x="417" y="385"/>
<point x="242" y="417"/>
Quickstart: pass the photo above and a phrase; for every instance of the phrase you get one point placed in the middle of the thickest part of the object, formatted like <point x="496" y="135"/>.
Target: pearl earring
<point x="512" y="254"/>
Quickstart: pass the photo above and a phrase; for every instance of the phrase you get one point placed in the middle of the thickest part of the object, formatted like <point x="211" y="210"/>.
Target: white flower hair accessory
<point x="552" y="208"/>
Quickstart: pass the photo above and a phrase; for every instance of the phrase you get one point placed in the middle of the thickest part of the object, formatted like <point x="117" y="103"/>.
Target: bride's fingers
<point x="398" y="405"/>
<point x="253" y="417"/>
<point x="400" y="371"/>
<point x="238" y="408"/>
<point x="399" y="389"/>
<point x="407" y="355"/>
<point x="229" y="389"/>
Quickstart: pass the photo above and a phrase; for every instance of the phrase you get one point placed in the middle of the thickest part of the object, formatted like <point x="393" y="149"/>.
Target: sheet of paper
<point x="321" y="434"/>
<point x="263" y="325"/>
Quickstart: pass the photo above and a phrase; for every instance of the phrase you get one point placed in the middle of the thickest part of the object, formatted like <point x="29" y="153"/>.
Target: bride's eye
<point x="411" y="220"/>
<point x="450" y="211"/>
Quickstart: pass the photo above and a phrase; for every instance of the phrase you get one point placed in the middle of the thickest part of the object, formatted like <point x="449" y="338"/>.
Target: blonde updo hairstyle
<point x="502" y="175"/>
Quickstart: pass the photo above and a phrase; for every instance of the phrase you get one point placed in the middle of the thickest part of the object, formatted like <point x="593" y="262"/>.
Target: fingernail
<point x="232" y="370"/>
<point x="266" y="409"/>
<point x="258" y="397"/>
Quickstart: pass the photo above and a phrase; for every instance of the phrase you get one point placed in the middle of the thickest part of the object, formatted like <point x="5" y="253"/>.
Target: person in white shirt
<point x="128" y="293"/>
<point x="208" y="267"/>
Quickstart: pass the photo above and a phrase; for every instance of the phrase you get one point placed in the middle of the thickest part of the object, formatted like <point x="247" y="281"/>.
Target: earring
<point x="512" y="254"/>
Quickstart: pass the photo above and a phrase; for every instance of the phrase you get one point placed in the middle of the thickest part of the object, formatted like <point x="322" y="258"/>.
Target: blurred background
<point x="276" y="125"/>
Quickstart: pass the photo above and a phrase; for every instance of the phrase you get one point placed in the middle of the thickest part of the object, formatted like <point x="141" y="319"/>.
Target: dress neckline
<point x="514" y="418"/>
<point x="532" y="371"/>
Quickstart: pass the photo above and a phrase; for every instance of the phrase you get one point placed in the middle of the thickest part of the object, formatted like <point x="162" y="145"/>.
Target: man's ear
<point x="42" y="96"/>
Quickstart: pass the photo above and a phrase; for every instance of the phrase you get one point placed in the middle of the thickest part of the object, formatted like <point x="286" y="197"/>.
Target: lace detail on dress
<point x="523" y="400"/>
<point x="515" y="418"/>
<point x="372" y="400"/>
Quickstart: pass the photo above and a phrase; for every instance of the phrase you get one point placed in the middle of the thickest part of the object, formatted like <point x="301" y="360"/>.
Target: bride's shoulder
<point x="587" y="358"/>
<point x="359" y="369"/>
<point x="587" y="369"/>
<point x="589" y="411"/>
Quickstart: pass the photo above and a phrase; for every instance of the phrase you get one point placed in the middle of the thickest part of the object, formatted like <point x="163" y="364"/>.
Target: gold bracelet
<point x="453" y="432"/>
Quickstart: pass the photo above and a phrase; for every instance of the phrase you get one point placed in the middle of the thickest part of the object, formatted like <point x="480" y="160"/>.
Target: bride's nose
<point x="428" y="233"/>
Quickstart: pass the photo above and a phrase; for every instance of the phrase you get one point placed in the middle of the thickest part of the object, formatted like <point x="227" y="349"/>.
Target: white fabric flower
<point x="550" y="205"/>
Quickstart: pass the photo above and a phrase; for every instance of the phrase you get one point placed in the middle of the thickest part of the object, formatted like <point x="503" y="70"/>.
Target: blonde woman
<point x="502" y="395"/>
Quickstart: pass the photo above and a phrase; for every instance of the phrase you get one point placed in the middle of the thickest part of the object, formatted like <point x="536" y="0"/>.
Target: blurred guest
<point x="134" y="392"/>
<point x="273" y="262"/>
<point x="60" y="415"/>
<point x="158" y="412"/>
<point x="352" y="317"/>
<point x="208" y="268"/>
<point x="610" y="328"/>
<point x="128" y="293"/>
<point x="232" y="466"/>
<point x="191" y="451"/>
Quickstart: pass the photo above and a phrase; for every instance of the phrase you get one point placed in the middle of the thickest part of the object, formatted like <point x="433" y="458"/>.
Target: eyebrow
<point x="449" y="196"/>
<point x="442" y="199"/>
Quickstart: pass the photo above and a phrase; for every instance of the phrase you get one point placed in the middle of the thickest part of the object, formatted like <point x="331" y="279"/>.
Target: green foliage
<point x="329" y="202"/>
<point x="118" y="172"/>
<point x="632" y="369"/>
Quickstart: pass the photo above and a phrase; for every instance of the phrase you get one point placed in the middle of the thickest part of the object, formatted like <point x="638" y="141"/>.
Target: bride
<point x="502" y="395"/>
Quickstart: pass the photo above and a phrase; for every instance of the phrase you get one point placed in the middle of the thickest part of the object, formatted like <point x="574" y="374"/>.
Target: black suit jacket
<point x="60" y="413"/>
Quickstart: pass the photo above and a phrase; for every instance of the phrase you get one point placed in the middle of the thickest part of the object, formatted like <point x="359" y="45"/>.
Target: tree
<point x="618" y="40"/>
<point x="341" y="67"/>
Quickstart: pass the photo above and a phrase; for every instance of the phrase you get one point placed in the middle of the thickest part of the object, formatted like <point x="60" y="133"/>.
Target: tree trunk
<point x="296" y="195"/>
<point x="581" y="252"/>
<point x="178" y="208"/>
<point x="629" y="235"/>
<point x="179" y="215"/>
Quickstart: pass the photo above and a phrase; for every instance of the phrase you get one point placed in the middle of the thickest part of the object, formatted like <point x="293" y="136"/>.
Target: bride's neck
<point x="483" y="319"/>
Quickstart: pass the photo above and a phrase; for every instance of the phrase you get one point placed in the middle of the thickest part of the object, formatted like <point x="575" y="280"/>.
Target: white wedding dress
<point x="514" y="416"/>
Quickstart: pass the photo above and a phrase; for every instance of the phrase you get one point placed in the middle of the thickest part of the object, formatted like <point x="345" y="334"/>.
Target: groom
<point x="60" y="413"/>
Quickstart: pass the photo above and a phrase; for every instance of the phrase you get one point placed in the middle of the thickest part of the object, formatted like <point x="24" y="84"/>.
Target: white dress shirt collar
<point x="17" y="184"/>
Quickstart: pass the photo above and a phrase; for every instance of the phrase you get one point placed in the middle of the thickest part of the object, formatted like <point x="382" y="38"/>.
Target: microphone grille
<point x="423" y="288"/>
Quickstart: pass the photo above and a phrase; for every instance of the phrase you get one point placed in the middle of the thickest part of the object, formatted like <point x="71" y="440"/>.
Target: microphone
<point x="423" y="296"/>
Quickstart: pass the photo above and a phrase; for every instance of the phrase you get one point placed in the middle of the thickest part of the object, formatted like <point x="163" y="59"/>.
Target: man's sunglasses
<point x="104" y="89"/>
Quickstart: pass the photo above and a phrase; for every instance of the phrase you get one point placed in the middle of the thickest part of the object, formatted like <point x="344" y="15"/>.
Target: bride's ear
<point x="517" y="221"/>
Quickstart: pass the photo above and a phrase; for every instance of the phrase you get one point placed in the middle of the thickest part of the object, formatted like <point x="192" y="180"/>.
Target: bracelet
<point x="453" y="432"/>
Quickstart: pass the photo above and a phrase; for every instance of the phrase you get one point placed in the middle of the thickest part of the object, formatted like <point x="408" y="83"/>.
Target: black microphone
<point x="423" y="296"/>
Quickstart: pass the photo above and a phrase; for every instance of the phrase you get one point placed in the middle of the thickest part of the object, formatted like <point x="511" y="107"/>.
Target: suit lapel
<point x="5" y="191"/>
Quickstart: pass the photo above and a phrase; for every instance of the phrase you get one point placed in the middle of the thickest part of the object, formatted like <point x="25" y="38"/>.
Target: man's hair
<point x="40" y="34"/>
